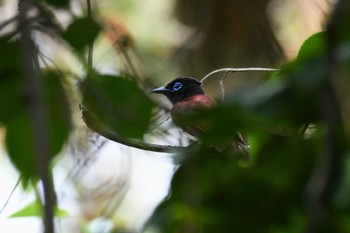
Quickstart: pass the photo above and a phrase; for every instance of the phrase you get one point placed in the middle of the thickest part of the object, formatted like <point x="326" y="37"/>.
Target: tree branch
<point x="36" y="108"/>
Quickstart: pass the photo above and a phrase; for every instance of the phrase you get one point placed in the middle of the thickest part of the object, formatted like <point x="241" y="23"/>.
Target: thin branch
<point x="89" y="11"/>
<point x="90" y="56"/>
<point x="157" y="125"/>
<point x="135" y="75"/>
<point x="12" y="192"/>
<point x="92" y="123"/>
<point x="8" y="22"/>
<point x="238" y="70"/>
<point x="222" y="86"/>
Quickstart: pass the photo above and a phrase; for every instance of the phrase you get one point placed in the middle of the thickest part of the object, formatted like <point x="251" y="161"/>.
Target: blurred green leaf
<point x="20" y="144"/>
<point x="19" y="133"/>
<point x="118" y="103"/>
<point x="34" y="209"/>
<point x="275" y="193"/>
<point x="59" y="113"/>
<point x="10" y="56"/>
<point x="59" y="3"/>
<point x="211" y="191"/>
<point x="81" y="32"/>
<point x="11" y="96"/>
<point x="11" y="80"/>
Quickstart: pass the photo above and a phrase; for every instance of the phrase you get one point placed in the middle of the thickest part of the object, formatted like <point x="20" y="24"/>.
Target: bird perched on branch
<point x="187" y="96"/>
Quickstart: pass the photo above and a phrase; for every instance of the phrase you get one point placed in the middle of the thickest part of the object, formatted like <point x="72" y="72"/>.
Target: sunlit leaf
<point x="35" y="209"/>
<point x="118" y="103"/>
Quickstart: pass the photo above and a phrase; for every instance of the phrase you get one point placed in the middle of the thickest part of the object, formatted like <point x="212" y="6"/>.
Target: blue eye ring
<point x="177" y="86"/>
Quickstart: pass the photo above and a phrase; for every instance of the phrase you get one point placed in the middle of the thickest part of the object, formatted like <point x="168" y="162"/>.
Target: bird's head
<point x="180" y="89"/>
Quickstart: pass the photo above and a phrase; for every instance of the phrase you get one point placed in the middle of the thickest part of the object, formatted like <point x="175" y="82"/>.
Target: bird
<point x="188" y="97"/>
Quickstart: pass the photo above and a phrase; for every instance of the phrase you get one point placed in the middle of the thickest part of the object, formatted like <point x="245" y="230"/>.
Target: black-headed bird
<point x="187" y="96"/>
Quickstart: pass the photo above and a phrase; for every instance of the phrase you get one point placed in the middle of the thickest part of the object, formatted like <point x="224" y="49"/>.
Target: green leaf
<point x="35" y="209"/>
<point x="59" y="113"/>
<point x="118" y="103"/>
<point x="11" y="80"/>
<point x="10" y="54"/>
<point x="20" y="144"/>
<point x="314" y="46"/>
<point x="81" y="33"/>
<point x="214" y="193"/>
<point x="11" y="88"/>
<point x="19" y="133"/>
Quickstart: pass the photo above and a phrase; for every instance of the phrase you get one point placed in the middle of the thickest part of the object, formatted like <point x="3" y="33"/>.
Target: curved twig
<point x="238" y="70"/>
<point x="92" y="123"/>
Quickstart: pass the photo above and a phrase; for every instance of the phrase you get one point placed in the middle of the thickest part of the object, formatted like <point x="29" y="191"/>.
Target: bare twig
<point x="237" y="70"/>
<point x="89" y="9"/>
<point x="8" y="22"/>
<point x="157" y="125"/>
<point x="12" y="192"/>
<point x="230" y="70"/>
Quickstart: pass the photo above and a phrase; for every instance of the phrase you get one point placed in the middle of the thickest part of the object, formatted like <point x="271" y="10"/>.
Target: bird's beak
<point x="161" y="90"/>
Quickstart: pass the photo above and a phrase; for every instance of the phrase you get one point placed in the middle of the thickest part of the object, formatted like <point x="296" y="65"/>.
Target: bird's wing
<point x="189" y="106"/>
<point x="202" y="126"/>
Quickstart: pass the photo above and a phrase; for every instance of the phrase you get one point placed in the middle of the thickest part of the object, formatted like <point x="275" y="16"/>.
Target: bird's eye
<point x="177" y="86"/>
